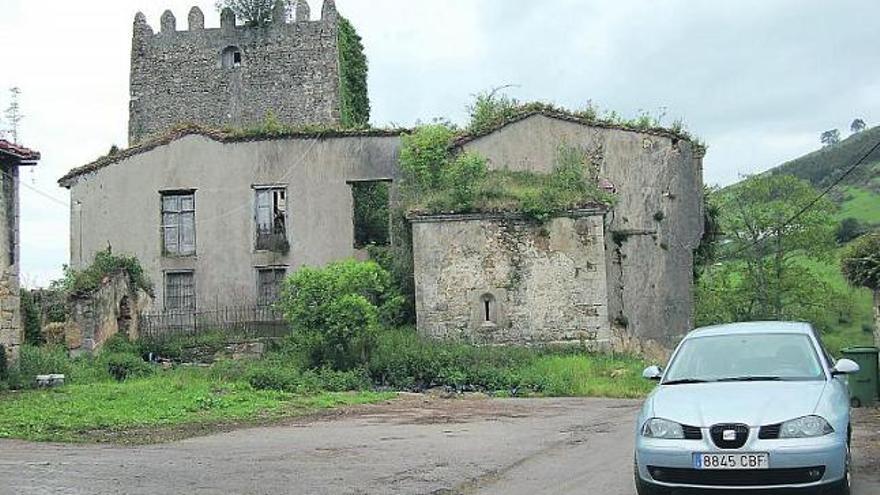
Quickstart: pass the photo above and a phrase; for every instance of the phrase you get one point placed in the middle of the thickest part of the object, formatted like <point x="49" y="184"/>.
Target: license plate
<point x="745" y="460"/>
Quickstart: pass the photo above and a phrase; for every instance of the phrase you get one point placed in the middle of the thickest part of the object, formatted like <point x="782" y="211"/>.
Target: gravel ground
<point x="414" y="445"/>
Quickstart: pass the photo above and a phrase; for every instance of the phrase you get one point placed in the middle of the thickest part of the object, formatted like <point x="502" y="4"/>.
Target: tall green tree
<point x="830" y="137"/>
<point x="860" y="264"/>
<point x="768" y="231"/>
<point x="858" y="125"/>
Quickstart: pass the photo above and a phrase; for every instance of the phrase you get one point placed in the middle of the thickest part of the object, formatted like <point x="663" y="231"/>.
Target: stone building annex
<point x="218" y="215"/>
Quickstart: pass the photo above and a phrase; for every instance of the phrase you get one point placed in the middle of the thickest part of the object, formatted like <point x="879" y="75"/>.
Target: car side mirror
<point x="653" y="373"/>
<point x="845" y="367"/>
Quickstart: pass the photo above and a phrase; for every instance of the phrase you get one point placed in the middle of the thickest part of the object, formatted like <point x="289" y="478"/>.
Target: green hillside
<point x="859" y="194"/>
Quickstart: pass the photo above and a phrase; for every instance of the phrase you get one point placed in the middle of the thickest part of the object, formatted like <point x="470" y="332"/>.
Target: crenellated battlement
<point x="234" y="74"/>
<point x="229" y="23"/>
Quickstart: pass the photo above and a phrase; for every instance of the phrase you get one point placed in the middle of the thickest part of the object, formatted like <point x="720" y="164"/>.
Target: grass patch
<point x="588" y="376"/>
<point x="861" y="204"/>
<point x="168" y="399"/>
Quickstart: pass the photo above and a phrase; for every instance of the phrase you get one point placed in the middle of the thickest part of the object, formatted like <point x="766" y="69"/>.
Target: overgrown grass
<point x="533" y="194"/>
<point x="171" y="398"/>
<point x="588" y="376"/>
<point x="861" y="204"/>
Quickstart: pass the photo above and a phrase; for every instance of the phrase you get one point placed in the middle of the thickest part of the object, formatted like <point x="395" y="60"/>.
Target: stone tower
<point x="234" y="75"/>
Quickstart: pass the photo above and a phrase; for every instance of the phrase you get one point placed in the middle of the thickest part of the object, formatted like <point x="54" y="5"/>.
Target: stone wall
<point x="94" y="318"/>
<point x="11" y="332"/>
<point x="288" y="68"/>
<point x="650" y="233"/>
<point x="503" y="279"/>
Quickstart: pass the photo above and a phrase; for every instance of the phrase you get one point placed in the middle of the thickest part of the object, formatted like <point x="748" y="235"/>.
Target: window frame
<point x="285" y="213"/>
<point x="167" y="275"/>
<point x="179" y="226"/>
<point x="390" y="236"/>
<point x="275" y="269"/>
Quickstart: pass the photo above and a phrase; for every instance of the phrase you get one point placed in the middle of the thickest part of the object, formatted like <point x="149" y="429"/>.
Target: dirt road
<point x="415" y="445"/>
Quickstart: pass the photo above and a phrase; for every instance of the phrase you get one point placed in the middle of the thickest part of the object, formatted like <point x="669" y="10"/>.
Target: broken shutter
<point x="187" y="225"/>
<point x="264" y="211"/>
<point x="170" y="213"/>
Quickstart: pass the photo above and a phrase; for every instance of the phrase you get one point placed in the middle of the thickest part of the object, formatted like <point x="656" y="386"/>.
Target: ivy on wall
<point x="354" y="102"/>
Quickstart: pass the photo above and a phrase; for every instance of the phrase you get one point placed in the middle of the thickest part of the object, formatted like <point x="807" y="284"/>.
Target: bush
<point x="464" y="177"/>
<point x="423" y="156"/>
<point x="77" y="282"/>
<point x="4" y="366"/>
<point x="334" y="311"/>
<point x="30" y="316"/>
<point x="271" y="376"/>
<point x="123" y="366"/>
<point x="406" y="361"/>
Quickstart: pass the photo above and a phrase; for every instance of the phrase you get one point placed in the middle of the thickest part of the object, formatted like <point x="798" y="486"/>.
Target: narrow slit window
<point x="488" y="309"/>
<point x="486" y="314"/>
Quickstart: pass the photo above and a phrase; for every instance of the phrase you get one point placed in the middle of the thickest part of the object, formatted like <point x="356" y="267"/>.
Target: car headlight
<point x="662" y="428"/>
<point x="805" y="427"/>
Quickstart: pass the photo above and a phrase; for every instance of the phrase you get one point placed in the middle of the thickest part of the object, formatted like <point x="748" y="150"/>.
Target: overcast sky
<point x="758" y="80"/>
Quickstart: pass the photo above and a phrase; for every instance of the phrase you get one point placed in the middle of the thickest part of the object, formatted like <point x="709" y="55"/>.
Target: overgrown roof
<point x="585" y="117"/>
<point x="226" y="136"/>
<point x="229" y="135"/>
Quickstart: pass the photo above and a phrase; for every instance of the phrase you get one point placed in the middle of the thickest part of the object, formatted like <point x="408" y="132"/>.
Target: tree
<point x="849" y="229"/>
<point x="858" y="125"/>
<point x="770" y="231"/>
<point x="830" y="138"/>
<point x="256" y="12"/>
<point x="860" y="265"/>
<point x="13" y="113"/>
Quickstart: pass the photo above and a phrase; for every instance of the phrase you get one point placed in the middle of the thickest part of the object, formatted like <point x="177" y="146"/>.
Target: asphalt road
<point x="412" y="446"/>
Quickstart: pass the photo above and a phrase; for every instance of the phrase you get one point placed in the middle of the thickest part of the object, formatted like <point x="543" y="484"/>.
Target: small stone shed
<point x="12" y="158"/>
<point x="505" y="279"/>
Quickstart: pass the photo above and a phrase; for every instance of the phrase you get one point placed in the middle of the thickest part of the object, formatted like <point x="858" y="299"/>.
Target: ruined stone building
<point x="12" y="158"/>
<point x="220" y="217"/>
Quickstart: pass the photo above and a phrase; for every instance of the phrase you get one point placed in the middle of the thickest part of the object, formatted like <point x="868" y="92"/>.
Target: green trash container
<point x="863" y="386"/>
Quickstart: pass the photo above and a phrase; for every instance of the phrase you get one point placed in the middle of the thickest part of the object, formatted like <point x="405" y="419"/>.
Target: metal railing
<point x="239" y="322"/>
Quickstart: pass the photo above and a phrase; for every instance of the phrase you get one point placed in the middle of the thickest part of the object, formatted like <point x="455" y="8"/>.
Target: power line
<point x="38" y="191"/>
<point x="812" y="203"/>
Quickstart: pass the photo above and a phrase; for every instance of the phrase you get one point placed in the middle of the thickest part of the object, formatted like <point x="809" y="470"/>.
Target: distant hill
<point x="858" y="195"/>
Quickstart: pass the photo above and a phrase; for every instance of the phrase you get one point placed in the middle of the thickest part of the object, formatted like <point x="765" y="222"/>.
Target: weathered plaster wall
<point x="120" y="205"/>
<point x="290" y="69"/>
<point x="544" y="283"/>
<point x="650" y="282"/>
<point x="10" y="316"/>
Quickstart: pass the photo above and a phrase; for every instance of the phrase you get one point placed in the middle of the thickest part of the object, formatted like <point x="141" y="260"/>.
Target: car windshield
<point x="745" y="357"/>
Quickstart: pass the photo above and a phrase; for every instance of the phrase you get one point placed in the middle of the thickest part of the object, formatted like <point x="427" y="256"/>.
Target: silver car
<point x="746" y="406"/>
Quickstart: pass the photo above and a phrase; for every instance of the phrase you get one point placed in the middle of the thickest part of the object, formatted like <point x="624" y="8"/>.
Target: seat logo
<point x="729" y="435"/>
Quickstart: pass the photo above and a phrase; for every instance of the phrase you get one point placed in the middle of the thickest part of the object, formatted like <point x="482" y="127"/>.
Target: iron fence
<point x="243" y="322"/>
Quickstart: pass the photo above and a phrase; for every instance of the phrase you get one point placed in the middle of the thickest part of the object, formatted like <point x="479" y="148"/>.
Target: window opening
<point x="230" y="58"/>
<point x="271" y="220"/>
<point x="269" y="284"/>
<point x="180" y="293"/>
<point x="371" y="215"/>
<point x="488" y="309"/>
<point x="179" y="224"/>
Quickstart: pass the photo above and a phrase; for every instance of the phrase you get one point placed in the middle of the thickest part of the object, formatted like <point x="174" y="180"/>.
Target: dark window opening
<point x="179" y="223"/>
<point x="371" y="213"/>
<point x="271" y="219"/>
<point x="180" y="291"/>
<point x="231" y="58"/>
<point x="489" y="309"/>
<point x="269" y="284"/>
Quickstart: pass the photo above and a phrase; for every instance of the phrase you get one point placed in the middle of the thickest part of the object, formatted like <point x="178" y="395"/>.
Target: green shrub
<point x="4" y="365"/>
<point x="123" y="366"/>
<point x="463" y="177"/>
<point x="423" y="156"/>
<point x="44" y="360"/>
<point x="334" y="311"/>
<point x="406" y="361"/>
<point x="30" y="316"/>
<point x="77" y="282"/>
<point x="121" y="344"/>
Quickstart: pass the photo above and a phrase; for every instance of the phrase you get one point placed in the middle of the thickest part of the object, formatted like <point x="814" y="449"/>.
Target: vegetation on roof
<point x="492" y="110"/>
<point x="270" y="128"/>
